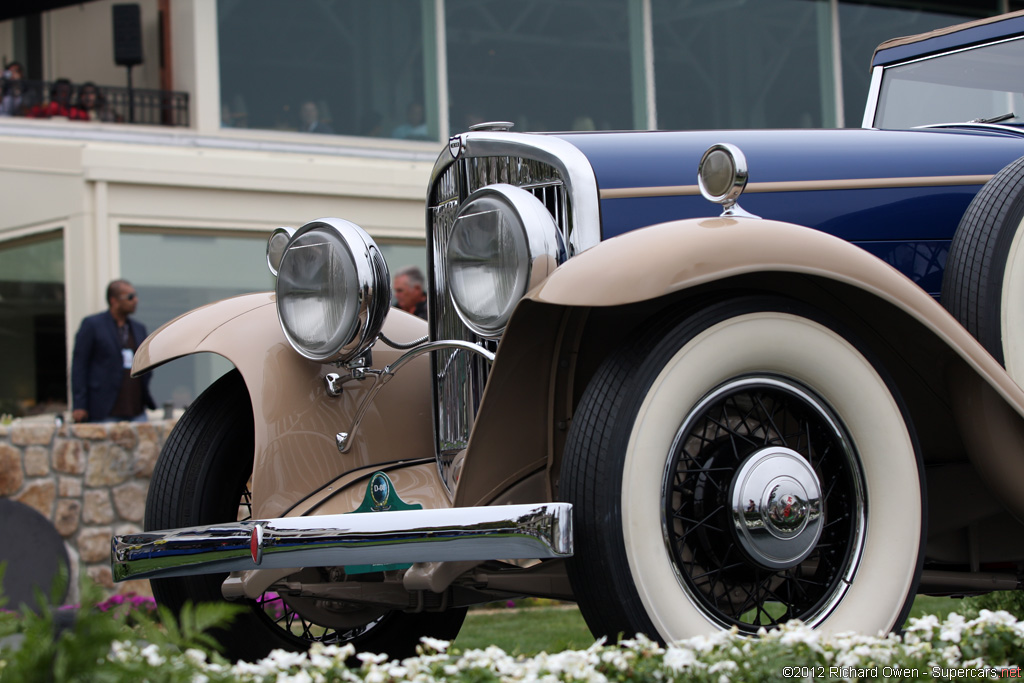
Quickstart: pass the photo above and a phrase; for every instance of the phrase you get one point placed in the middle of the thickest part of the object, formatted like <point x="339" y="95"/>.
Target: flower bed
<point x="989" y="646"/>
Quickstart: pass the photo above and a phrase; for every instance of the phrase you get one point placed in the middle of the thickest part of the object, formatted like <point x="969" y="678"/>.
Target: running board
<point x="497" y="532"/>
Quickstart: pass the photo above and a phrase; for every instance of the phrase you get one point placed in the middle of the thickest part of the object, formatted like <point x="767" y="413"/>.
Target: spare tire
<point x="983" y="284"/>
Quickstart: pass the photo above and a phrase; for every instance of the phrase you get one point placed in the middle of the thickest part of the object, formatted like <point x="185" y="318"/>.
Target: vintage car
<point x="801" y="404"/>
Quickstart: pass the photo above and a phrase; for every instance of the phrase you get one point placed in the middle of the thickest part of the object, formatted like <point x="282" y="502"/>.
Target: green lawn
<point x="532" y="630"/>
<point x="527" y="631"/>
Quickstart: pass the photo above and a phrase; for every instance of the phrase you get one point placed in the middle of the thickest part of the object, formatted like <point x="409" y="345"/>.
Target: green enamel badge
<point x="381" y="496"/>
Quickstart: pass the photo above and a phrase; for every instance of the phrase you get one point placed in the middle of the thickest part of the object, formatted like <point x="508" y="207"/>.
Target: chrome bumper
<point x="500" y="532"/>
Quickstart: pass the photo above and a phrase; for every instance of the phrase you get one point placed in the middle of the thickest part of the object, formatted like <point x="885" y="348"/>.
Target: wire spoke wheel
<point x="283" y="613"/>
<point x="756" y="551"/>
<point x="739" y="466"/>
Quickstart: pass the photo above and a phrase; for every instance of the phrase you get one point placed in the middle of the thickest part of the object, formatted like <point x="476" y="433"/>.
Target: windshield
<point x="984" y="83"/>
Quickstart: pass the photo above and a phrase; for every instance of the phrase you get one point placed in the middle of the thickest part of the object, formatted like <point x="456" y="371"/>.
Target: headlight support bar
<point x="335" y="382"/>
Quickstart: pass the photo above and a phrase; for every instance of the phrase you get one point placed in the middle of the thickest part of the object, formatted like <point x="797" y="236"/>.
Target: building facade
<point x="311" y="108"/>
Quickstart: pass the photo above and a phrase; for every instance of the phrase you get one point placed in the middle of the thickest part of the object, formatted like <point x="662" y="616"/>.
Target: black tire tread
<point x="972" y="280"/>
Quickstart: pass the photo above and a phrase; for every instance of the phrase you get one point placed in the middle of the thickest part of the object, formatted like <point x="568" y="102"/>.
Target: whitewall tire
<point x="748" y="467"/>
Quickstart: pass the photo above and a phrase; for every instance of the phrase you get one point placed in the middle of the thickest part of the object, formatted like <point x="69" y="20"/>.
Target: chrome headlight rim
<point x="540" y="238"/>
<point x="276" y="245"/>
<point x="371" y="295"/>
<point x="727" y="190"/>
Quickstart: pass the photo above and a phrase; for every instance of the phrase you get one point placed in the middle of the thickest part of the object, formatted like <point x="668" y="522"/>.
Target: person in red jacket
<point x="59" y="104"/>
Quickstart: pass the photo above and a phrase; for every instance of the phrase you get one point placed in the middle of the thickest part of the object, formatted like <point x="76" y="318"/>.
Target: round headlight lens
<point x="717" y="172"/>
<point x="503" y="242"/>
<point x="333" y="290"/>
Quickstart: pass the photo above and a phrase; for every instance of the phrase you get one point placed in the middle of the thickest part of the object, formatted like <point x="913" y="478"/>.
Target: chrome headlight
<point x="503" y="242"/>
<point x="276" y="245"/>
<point x="333" y="290"/>
<point x="722" y="176"/>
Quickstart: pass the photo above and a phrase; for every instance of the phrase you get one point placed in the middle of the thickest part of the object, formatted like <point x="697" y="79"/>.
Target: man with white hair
<point x="409" y="291"/>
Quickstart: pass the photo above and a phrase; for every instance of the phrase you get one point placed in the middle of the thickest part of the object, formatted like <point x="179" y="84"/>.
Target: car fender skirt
<point x="523" y="532"/>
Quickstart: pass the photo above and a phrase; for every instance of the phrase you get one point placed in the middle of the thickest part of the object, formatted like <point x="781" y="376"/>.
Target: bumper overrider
<point x="500" y="532"/>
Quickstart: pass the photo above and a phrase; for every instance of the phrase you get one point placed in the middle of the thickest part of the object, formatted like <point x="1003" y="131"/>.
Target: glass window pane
<point x="175" y="273"/>
<point x="554" y="65"/>
<point x="348" y="67"/>
<point x="983" y="83"/>
<point x="33" y="375"/>
<point x="861" y="29"/>
<point x="742" y="63"/>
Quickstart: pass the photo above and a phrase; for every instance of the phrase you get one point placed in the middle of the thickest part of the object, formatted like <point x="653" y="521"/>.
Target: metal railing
<point x="33" y="99"/>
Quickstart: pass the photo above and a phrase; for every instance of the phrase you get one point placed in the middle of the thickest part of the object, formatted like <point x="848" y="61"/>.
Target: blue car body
<point x="909" y="207"/>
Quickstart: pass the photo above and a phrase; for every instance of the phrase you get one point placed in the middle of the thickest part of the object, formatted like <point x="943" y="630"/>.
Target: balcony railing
<point x="35" y="99"/>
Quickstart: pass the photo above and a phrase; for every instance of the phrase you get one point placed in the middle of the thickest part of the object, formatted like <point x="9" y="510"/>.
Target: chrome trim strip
<point x="804" y="186"/>
<point x="575" y="168"/>
<point x="874" y="91"/>
<point x="499" y="532"/>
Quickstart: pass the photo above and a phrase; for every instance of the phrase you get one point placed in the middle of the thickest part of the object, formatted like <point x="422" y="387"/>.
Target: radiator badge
<point x="380" y="496"/>
<point x="456" y="146"/>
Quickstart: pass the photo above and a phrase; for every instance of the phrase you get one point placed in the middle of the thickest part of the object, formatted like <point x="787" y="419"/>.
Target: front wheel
<point x="738" y="469"/>
<point x="202" y="478"/>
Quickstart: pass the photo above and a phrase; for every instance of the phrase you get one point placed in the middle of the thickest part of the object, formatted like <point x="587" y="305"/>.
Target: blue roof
<point x="943" y="40"/>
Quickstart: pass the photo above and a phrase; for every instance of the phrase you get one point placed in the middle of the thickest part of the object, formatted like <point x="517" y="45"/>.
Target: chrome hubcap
<point x="776" y="508"/>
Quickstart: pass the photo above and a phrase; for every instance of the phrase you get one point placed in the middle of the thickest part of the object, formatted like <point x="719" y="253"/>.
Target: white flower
<point x="301" y="677"/>
<point x="371" y="658"/>
<point x="952" y="629"/>
<point x="121" y="651"/>
<point x="797" y="636"/>
<point x="678" y="659"/>
<point x="927" y="623"/>
<point x="436" y="644"/>
<point x="283" y="659"/>
<point x="152" y="654"/>
<point x="725" y="665"/>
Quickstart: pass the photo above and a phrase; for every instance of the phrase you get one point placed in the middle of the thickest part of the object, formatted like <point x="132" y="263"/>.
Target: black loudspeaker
<point x="127" y="35"/>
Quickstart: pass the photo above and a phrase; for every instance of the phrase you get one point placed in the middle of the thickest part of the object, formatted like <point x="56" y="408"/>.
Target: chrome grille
<point x="459" y="376"/>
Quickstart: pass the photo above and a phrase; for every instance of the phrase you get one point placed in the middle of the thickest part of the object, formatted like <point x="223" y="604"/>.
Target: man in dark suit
<point x="102" y="387"/>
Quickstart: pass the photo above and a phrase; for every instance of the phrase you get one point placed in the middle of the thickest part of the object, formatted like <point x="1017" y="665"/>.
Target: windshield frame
<point x="885" y="76"/>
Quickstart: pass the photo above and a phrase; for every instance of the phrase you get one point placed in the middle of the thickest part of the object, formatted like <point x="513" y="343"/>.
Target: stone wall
<point x="90" y="480"/>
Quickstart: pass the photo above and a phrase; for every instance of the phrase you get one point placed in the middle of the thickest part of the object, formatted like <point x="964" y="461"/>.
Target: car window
<point x="982" y="83"/>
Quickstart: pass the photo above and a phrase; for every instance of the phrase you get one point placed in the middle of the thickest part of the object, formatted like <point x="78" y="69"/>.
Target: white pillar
<point x="195" y="60"/>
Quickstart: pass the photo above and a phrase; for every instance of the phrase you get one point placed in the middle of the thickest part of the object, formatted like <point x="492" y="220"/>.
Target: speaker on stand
<point x="128" y="44"/>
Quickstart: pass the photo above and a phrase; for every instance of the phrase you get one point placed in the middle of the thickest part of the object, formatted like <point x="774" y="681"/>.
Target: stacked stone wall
<point x="89" y="480"/>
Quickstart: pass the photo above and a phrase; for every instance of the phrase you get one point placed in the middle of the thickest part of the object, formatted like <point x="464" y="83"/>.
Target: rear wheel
<point x="742" y="468"/>
<point x="202" y="477"/>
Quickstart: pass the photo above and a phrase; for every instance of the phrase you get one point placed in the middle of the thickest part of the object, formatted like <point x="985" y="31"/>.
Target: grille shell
<point x="561" y="179"/>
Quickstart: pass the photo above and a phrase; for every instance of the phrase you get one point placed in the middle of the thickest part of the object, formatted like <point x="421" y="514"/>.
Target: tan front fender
<point x="297" y="463"/>
<point x="946" y="371"/>
<point x="671" y="257"/>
